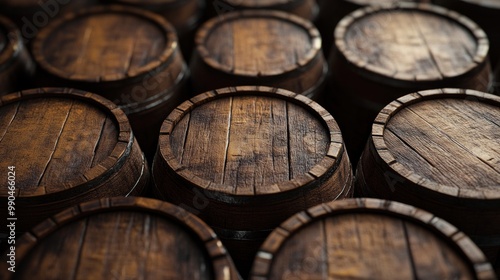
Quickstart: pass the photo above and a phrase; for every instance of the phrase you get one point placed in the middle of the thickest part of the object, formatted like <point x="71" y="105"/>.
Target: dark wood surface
<point x="269" y="48"/>
<point x="184" y="15"/>
<point x="246" y="158"/>
<point x="368" y="238"/>
<point x="439" y="150"/>
<point x="130" y="56"/>
<point x="16" y="65"/>
<point x="384" y="53"/>
<point x="67" y="147"/>
<point x="121" y="238"/>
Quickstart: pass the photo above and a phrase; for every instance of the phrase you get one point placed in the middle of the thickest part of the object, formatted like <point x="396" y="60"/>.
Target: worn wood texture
<point x="368" y="239"/>
<point x="331" y="12"/>
<point x="246" y="158"/>
<point x="251" y="47"/>
<point x="439" y="150"/>
<point x="307" y="9"/>
<point x="485" y="14"/>
<point x="16" y="65"/>
<point x="67" y="147"/>
<point x="121" y="238"/>
<point x="184" y="15"/>
<point x="382" y="54"/>
<point x="130" y="56"/>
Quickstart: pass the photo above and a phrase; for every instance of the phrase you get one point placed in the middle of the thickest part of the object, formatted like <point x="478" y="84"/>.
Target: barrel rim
<point x="329" y="161"/>
<point x="376" y="73"/>
<point x="13" y="45"/>
<point x="446" y="232"/>
<point x="207" y="28"/>
<point x="194" y="225"/>
<point x="106" y="167"/>
<point x="170" y="50"/>
<point x="382" y="151"/>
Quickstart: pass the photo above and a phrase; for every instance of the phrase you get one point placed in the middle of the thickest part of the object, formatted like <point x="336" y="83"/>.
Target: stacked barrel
<point x="226" y="139"/>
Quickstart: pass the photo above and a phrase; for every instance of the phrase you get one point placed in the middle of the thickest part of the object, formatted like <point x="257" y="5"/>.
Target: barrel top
<point x="10" y="40"/>
<point x="402" y="43"/>
<point x="103" y="44"/>
<point x="257" y="43"/>
<point x="60" y="140"/>
<point x="369" y="238"/>
<point x="445" y="140"/>
<point x="492" y="4"/>
<point x="250" y="141"/>
<point x="122" y="237"/>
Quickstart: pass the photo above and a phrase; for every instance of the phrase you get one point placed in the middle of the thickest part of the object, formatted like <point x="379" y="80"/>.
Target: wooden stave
<point x="208" y="74"/>
<point x="16" y="65"/>
<point x="386" y="182"/>
<point x="345" y="98"/>
<point x="223" y="266"/>
<point x="209" y="205"/>
<point x="438" y="226"/>
<point x="145" y="113"/>
<point x="97" y="185"/>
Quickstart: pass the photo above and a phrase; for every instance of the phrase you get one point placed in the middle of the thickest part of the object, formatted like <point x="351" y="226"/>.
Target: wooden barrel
<point x="382" y="53"/>
<point x="244" y="159"/>
<point x="439" y="150"/>
<point x="16" y="66"/>
<point x="184" y="15"/>
<point x="33" y="15"/>
<point x="368" y="239"/>
<point x="60" y="147"/>
<point x="307" y="9"/>
<point x="485" y="13"/>
<point x="121" y="238"/>
<point x="130" y="56"/>
<point x="331" y="12"/>
<point x="251" y="47"/>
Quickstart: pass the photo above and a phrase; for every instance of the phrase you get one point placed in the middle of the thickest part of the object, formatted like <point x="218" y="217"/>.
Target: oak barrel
<point x="184" y="15"/>
<point x="255" y="47"/>
<point x="307" y="9"/>
<point x="244" y="159"/>
<point x="16" y="66"/>
<point x="382" y="53"/>
<point x="368" y="239"/>
<point x="485" y="13"/>
<point x="121" y="238"/>
<point x="60" y="147"/>
<point x="128" y="55"/>
<point x="440" y="151"/>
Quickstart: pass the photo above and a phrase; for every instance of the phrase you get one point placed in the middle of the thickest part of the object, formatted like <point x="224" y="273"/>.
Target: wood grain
<point x="245" y="158"/>
<point x="67" y="147"/>
<point x="383" y="53"/>
<point x="439" y="150"/>
<point x="16" y="65"/>
<point x="257" y="47"/>
<point x="368" y="238"/>
<point x="185" y="16"/>
<point x="162" y="242"/>
<point x="128" y="55"/>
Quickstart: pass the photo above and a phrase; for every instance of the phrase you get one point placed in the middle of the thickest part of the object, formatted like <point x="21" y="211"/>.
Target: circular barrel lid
<point x="368" y="238"/>
<point x="125" y="238"/>
<point x="445" y="140"/>
<point x="401" y="44"/>
<point x="105" y="44"/>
